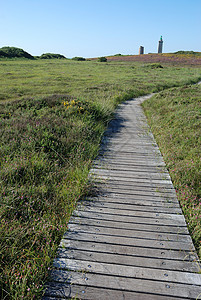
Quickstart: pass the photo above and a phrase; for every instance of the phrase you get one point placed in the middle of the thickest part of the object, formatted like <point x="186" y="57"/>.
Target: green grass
<point x="93" y="81"/>
<point x="52" y="116"/>
<point x="175" y="119"/>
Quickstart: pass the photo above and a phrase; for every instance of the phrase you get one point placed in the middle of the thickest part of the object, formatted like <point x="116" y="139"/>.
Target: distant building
<point x="160" y="45"/>
<point x="141" y="50"/>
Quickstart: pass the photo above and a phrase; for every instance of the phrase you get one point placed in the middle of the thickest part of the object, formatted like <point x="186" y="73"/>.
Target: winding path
<point x="130" y="241"/>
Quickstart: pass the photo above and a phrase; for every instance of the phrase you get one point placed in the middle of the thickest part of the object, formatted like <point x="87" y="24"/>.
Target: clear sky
<point x="92" y="28"/>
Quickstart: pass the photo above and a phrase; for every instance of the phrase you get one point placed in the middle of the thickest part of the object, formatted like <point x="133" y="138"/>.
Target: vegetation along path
<point x="129" y="240"/>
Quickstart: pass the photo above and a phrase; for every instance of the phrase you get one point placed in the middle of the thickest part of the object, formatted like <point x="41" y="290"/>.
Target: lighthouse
<point x="160" y="45"/>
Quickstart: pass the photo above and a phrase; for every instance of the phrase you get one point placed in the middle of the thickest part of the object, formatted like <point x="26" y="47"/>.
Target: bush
<point x="78" y="58"/>
<point x="3" y="54"/>
<point x="52" y="56"/>
<point x="188" y="52"/>
<point x="102" y="59"/>
<point x="12" y="52"/>
<point x="154" y="66"/>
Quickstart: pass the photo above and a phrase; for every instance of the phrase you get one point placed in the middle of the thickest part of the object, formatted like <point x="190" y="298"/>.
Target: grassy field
<point x="175" y="119"/>
<point x="180" y="58"/>
<point x="52" y="116"/>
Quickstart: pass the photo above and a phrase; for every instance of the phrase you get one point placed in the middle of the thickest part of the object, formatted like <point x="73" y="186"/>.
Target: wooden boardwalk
<point x="130" y="241"/>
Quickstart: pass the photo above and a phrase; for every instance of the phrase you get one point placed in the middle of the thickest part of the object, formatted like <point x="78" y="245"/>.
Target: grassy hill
<point x="13" y="52"/>
<point x="181" y="57"/>
<point x="52" y="56"/>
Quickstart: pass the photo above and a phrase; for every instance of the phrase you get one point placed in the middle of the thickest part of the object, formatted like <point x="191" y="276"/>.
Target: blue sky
<point x="97" y="28"/>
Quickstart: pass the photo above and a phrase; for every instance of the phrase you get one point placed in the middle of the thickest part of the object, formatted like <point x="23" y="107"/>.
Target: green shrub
<point x="154" y="66"/>
<point x="52" y="56"/>
<point x="188" y="52"/>
<point x="77" y="58"/>
<point x="102" y="59"/>
<point x="12" y="52"/>
<point x="3" y="54"/>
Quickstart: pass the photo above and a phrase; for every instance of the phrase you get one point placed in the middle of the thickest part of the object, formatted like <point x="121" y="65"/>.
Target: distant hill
<point x="52" y="56"/>
<point x="179" y="57"/>
<point x="12" y="52"/>
<point x="188" y="52"/>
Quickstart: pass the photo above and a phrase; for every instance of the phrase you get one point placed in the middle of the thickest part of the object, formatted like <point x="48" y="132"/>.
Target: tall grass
<point x="52" y="117"/>
<point x="175" y="119"/>
<point x="46" y="150"/>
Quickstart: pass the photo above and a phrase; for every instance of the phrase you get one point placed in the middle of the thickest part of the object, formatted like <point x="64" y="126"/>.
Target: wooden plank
<point x="129" y="143"/>
<point x="124" y="184"/>
<point x="139" y="192"/>
<point x="138" y="195"/>
<point x="126" y="160"/>
<point x="137" y="261"/>
<point x="133" y="160"/>
<point x="128" y="233"/>
<point x="140" y="198"/>
<point x="128" y="167"/>
<point x="127" y="284"/>
<point x="135" y="200"/>
<point x="136" y="251"/>
<point x="133" y="206"/>
<point x="132" y="226"/>
<point x="130" y="219"/>
<point x="128" y="271"/>
<point x="132" y="173"/>
<point x="97" y="177"/>
<point x="143" y="191"/>
<point x="124" y="148"/>
<point x="62" y="290"/>
<point x="135" y="213"/>
<point x="129" y="241"/>
<point x="130" y="154"/>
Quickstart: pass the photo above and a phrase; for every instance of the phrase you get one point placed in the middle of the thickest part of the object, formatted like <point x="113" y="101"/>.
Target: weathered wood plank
<point x="128" y="260"/>
<point x="132" y="226"/>
<point x="132" y="174"/>
<point x="135" y="200"/>
<point x="130" y="219"/>
<point x="162" y="196"/>
<point x="130" y="241"/>
<point x="129" y="179"/>
<point x="129" y="233"/>
<point x="136" y="207"/>
<point x="127" y="284"/>
<point x="128" y="212"/>
<point x="136" y="251"/>
<point x="127" y="161"/>
<point x="136" y="185"/>
<point x="131" y="155"/>
<point x="142" y="190"/>
<point x="61" y="291"/>
<point x="128" y="167"/>
<point x="128" y="271"/>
